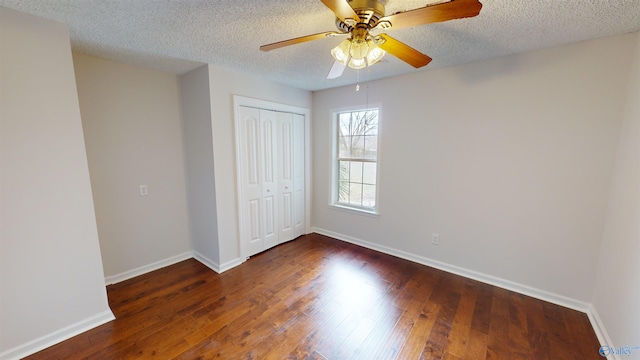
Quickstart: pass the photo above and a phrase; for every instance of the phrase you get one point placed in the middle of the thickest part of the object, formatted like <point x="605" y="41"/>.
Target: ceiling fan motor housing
<point x="369" y="12"/>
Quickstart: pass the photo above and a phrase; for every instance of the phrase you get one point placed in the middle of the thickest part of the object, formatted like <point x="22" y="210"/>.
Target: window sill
<point x="356" y="211"/>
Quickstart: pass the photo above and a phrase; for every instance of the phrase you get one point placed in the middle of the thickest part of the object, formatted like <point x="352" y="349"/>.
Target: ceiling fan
<point x="357" y="18"/>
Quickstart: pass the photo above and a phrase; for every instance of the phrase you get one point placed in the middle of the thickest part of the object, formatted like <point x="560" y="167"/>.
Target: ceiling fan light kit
<point x="358" y="18"/>
<point x="357" y="53"/>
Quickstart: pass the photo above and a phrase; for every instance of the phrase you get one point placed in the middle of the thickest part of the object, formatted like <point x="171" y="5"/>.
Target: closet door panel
<point x="285" y="176"/>
<point x="298" y="149"/>
<point x="251" y="171"/>
<point x="269" y="150"/>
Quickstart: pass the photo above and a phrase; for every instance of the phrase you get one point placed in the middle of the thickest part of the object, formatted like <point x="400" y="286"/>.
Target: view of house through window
<point x="357" y="156"/>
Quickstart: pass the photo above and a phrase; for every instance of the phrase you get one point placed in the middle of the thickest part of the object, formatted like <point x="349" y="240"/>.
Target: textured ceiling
<point x="180" y="35"/>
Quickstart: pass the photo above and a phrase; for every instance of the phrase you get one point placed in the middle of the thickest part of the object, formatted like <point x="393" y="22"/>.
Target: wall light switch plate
<point x="144" y="190"/>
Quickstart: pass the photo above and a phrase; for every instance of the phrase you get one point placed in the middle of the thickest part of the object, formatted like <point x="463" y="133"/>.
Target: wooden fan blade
<point x="454" y="9"/>
<point x="342" y="9"/>
<point x="336" y="70"/>
<point x="298" y="40"/>
<point x="403" y="51"/>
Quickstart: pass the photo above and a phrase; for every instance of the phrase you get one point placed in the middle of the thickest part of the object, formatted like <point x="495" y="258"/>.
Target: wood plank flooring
<point x="320" y="298"/>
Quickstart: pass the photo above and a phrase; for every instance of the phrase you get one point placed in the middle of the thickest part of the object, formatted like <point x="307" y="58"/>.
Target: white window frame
<point x="335" y="173"/>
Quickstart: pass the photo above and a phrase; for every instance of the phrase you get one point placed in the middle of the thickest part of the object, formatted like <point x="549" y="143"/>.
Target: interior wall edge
<point x="206" y="261"/>
<point x="218" y="268"/>
<point x="57" y="336"/>
<point x="231" y="264"/>
<point x="467" y="273"/>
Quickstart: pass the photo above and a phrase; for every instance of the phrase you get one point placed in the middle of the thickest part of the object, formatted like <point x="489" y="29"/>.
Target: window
<point x="356" y="159"/>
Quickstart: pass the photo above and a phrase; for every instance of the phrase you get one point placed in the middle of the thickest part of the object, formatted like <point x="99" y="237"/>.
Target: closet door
<point x="298" y="175"/>
<point x="251" y="204"/>
<point x="285" y="177"/>
<point x="271" y="168"/>
<point x="269" y="152"/>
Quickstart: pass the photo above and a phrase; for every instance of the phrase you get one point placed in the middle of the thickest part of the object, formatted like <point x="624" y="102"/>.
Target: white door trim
<point x="239" y="101"/>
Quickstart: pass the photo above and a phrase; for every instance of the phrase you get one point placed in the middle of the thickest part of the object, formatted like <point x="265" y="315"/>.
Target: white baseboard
<point x="113" y="279"/>
<point x="55" y="337"/>
<point x="214" y="265"/>
<point x="147" y="268"/>
<point x="471" y="274"/>
<point x="231" y="264"/>
<point x="601" y="332"/>
<point x="207" y="262"/>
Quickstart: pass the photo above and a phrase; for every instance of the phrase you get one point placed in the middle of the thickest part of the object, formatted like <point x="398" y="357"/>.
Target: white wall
<point x="201" y="184"/>
<point x="51" y="278"/>
<point x="132" y="127"/>
<point x="617" y="291"/>
<point x="508" y="159"/>
<point x="223" y="85"/>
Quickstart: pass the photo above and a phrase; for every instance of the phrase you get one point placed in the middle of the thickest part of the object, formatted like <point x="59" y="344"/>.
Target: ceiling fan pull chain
<point x="357" y="80"/>
<point x="368" y="75"/>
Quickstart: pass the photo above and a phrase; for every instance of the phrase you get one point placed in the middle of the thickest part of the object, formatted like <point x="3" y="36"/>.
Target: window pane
<point x="355" y="194"/>
<point x="345" y="123"/>
<point x="343" y="192"/>
<point x="369" y="173"/>
<point x="357" y="147"/>
<point x="372" y="129"/>
<point x="359" y="124"/>
<point x="356" y="172"/>
<point x="344" y="171"/>
<point x="369" y="195"/>
<point x="371" y="147"/>
<point x="372" y="123"/>
<point x="344" y="143"/>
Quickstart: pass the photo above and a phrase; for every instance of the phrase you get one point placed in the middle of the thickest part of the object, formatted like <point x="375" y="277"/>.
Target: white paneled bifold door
<point x="271" y="151"/>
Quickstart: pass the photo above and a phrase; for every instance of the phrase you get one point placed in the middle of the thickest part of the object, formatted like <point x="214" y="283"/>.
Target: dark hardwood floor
<point x="320" y="298"/>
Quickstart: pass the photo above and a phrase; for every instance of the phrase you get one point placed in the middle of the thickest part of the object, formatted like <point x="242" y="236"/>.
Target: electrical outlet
<point x="144" y="190"/>
<point x="435" y="239"/>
